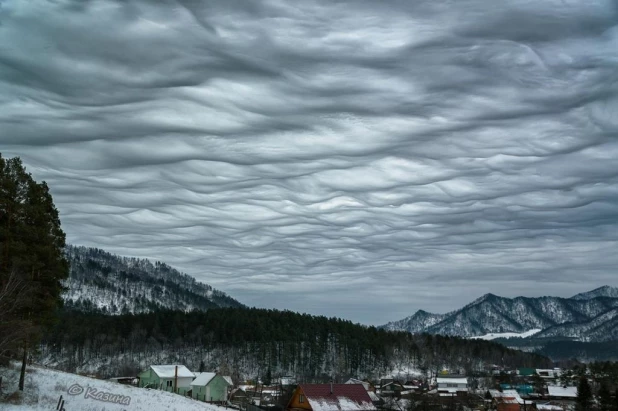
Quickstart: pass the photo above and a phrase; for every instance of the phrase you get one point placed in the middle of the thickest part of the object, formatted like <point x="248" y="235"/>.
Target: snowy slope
<point x="420" y="321"/>
<point x="100" y="281"/>
<point x="493" y="336"/>
<point x="600" y="329"/>
<point x="45" y="386"/>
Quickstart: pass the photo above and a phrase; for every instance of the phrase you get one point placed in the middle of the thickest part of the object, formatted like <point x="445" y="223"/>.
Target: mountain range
<point x="591" y="316"/>
<point x="103" y="282"/>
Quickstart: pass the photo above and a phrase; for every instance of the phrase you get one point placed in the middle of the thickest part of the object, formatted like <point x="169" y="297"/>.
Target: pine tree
<point x="31" y="243"/>
<point x="605" y="398"/>
<point x="584" y="395"/>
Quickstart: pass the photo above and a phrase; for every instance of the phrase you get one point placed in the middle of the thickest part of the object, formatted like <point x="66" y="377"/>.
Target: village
<point x="523" y="389"/>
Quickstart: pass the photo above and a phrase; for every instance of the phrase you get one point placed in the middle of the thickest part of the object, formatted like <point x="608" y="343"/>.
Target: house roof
<point x="374" y="397"/>
<point x="228" y="379"/>
<point x="514" y="395"/>
<point x="169" y="371"/>
<point x="548" y="407"/>
<point x="344" y="397"/>
<point x="507" y="404"/>
<point x="447" y="380"/>
<point x="562" y="391"/>
<point x="203" y="378"/>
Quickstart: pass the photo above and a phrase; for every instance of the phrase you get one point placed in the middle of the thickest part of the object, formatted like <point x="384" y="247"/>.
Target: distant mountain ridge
<point x="605" y="291"/>
<point x="589" y="316"/>
<point x="103" y="282"/>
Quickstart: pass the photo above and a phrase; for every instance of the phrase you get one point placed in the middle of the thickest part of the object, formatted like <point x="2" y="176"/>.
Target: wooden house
<point x="330" y="397"/>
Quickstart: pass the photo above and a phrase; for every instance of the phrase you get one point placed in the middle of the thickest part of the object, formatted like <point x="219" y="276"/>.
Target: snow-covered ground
<point x="45" y="386"/>
<point x="493" y="336"/>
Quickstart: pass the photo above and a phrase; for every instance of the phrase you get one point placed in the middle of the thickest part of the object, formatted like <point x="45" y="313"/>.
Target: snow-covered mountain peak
<point x="604" y="291"/>
<point x="493" y="315"/>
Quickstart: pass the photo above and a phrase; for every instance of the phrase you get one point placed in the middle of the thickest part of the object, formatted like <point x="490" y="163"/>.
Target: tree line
<point x="248" y="342"/>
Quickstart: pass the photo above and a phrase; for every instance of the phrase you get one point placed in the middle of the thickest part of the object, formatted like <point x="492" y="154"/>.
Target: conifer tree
<point x="605" y="398"/>
<point x="584" y="395"/>
<point x="31" y="244"/>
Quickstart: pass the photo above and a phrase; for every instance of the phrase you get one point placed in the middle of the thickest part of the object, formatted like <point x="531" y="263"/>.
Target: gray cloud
<point x="358" y="159"/>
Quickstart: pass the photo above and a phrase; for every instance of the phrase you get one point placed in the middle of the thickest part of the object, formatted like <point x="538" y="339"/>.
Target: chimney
<point x="176" y="379"/>
<point x="331" y="387"/>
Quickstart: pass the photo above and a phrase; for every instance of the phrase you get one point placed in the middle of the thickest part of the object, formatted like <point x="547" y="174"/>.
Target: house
<point x="506" y="404"/>
<point x="239" y="397"/>
<point x="549" y="374"/>
<point x="452" y="385"/>
<point x="287" y="380"/>
<point x="210" y="387"/>
<point x="509" y="400"/>
<point x="172" y="378"/>
<point x="562" y="393"/>
<point x="392" y="389"/>
<point x="330" y="397"/>
<point x="526" y="372"/>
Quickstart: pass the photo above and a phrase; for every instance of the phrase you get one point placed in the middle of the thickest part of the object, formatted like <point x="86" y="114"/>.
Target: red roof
<point x="343" y="397"/>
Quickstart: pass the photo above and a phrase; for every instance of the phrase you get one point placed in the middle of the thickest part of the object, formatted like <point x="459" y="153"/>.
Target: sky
<point x="357" y="159"/>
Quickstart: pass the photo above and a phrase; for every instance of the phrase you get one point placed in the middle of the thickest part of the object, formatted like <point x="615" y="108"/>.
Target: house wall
<point x="184" y="384"/>
<point x="215" y="390"/>
<point x="295" y="401"/>
<point x="148" y="377"/>
<point x="451" y="385"/>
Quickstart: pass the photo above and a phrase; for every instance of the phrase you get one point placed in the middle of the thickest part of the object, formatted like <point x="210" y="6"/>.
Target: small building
<point x="524" y="389"/>
<point x="330" y="397"/>
<point x="287" y="380"/>
<point x="172" y="378"/>
<point x="507" y="404"/>
<point x="392" y="389"/>
<point x="549" y="373"/>
<point x="125" y="380"/>
<point x="452" y="385"/>
<point x="526" y="372"/>
<point x="562" y="393"/>
<point x="210" y="387"/>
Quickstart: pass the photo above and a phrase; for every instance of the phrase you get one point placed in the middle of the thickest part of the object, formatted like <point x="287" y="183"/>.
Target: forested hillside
<point x="246" y="343"/>
<point x="104" y="282"/>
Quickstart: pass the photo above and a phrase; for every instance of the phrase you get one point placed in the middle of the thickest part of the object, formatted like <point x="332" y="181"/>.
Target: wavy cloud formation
<point x="352" y="158"/>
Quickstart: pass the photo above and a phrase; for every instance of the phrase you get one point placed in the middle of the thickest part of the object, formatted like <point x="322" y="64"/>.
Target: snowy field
<point x="493" y="336"/>
<point x="45" y="386"/>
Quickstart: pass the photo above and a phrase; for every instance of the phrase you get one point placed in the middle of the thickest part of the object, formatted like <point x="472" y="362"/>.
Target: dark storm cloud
<point x="360" y="159"/>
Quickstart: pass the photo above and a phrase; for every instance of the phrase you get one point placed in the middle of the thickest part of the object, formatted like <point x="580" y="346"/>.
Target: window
<point x="169" y="383"/>
<point x="301" y="398"/>
<point x="451" y="385"/>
